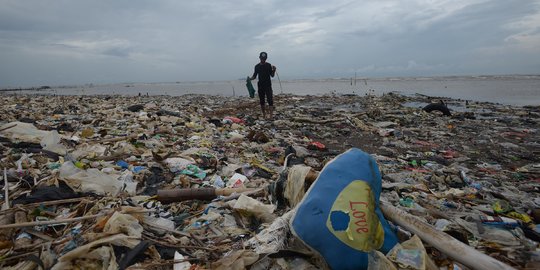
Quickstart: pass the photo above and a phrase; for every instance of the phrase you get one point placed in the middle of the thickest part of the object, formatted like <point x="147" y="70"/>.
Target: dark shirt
<point x="264" y="71"/>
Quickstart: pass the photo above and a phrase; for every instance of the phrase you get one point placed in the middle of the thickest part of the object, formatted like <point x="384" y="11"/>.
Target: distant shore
<point x="40" y="88"/>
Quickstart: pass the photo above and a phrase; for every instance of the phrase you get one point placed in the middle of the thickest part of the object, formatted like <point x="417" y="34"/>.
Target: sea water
<point x="512" y="90"/>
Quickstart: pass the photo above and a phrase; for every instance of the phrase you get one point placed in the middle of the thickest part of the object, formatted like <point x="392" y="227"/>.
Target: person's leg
<point x="270" y="98"/>
<point x="261" y="93"/>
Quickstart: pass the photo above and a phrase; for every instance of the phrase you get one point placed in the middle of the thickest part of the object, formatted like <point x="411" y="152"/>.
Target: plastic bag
<point x="69" y="260"/>
<point x="236" y="260"/>
<point x="249" y="205"/>
<point x="178" y="164"/>
<point x="101" y="258"/>
<point x="411" y="254"/>
<point x="195" y="171"/>
<point x="250" y="88"/>
<point x="273" y="238"/>
<point x="340" y="217"/>
<point x="377" y="261"/>
<point x="92" y="180"/>
<point x="180" y="265"/>
<point x="86" y="150"/>
<point x="237" y="181"/>
<point x="294" y="188"/>
<point x="123" y="223"/>
<point x="51" y="142"/>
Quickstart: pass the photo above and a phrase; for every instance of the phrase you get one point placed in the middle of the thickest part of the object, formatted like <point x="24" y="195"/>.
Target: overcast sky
<point x="46" y="42"/>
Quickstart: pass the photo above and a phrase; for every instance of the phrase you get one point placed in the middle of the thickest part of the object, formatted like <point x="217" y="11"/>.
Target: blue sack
<point x="339" y="216"/>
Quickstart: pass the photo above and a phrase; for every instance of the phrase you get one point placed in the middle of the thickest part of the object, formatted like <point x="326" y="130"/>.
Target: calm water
<point x="515" y="90"/>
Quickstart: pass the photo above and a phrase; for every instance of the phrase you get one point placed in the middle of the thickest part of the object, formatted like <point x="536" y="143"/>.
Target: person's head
<point x="263" y="56"/>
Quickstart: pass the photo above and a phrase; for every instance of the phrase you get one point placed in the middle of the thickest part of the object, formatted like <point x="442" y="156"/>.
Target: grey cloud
<point x="112" y="41"/>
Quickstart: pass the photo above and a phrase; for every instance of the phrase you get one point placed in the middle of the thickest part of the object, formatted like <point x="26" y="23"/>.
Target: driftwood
<point x="442" y="241"/>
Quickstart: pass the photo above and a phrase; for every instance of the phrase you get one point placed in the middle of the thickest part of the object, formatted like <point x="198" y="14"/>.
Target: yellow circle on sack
<point x="353" y="220"/>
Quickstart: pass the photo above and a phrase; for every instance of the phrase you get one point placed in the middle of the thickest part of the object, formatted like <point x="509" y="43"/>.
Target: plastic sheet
<point x="92" y="180"/>
<point x="25" y="132"/>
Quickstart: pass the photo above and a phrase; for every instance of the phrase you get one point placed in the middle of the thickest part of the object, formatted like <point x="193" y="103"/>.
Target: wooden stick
<point x="230" y="191"/>
<point x="246" y="191"/>
<point x="40" y="235"/>
<point x="19" y="256"/>
<point x="117" y="139"/>
<point x="166" y="229"/>
<point x="50" y="222"/>
<point x="441" y="241"/>
<point x="198" y="213"/>
<point x="146" y="237"/>
<point x="185" y="194"/>
<point x="6" y="190"/>
<point x="6" y="128"/>
<point x="63" y="201"/>
<point x="309" y="120"/>
<point x="113" y="157"/>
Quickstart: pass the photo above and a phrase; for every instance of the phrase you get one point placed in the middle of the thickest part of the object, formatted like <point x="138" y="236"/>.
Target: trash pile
<point x="202" y="182"/>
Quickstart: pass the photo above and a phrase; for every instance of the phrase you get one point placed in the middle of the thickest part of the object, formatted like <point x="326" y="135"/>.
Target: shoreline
<point x="413" y="96"/>
<point x="523" y="92"/>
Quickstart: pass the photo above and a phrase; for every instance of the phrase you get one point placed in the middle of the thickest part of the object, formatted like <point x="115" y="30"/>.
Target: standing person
<point x="264" y="86"/>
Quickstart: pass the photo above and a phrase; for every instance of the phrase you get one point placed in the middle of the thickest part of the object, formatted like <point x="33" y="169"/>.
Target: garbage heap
<point x="203" y="182"/>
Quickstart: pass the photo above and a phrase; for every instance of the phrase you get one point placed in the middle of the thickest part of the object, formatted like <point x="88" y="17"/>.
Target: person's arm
<point x="254" y="73"/>
<point x="273" y="72"/>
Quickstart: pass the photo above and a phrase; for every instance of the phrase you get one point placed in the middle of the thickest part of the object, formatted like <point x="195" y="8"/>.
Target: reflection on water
<point x="515" y="90"/>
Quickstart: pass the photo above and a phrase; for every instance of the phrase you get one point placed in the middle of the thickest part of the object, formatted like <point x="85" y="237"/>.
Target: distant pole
<point x="280" y="87"/>
<point x="355" y="78"/>
<point x="233" y="93"/>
